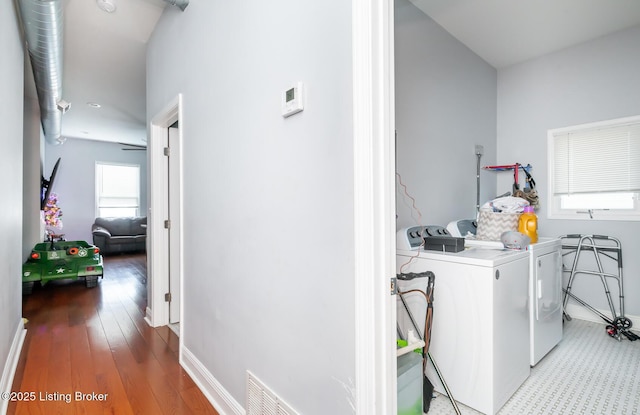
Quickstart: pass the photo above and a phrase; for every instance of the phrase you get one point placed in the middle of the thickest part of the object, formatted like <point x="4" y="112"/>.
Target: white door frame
<point x="174" y="167"/>
<point x="374" y="198"/>
<point x="157" y="313"/>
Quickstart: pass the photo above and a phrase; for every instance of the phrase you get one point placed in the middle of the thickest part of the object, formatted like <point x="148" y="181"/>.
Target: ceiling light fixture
<point x="106" y="5"/>
<point x="93" y="104"/>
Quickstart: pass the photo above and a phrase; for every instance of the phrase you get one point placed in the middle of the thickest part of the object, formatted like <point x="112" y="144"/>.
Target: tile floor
<point x="589" y="372"/>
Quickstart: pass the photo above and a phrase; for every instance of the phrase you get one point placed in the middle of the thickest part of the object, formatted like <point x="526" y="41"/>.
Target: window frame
<point x="98" y="193"/>
<point x="555" y="210"/>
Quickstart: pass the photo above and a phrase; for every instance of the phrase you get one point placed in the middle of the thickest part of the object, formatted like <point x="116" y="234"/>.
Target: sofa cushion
<point x="116" y="240"/>
<point x="139" y="225"/>
<point x="97" y="230"/>
<point x="123" y="226"/>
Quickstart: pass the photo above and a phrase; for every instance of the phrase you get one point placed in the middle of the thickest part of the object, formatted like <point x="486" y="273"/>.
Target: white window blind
<point x="117" y="190"/>
<point x="597" y="159"/>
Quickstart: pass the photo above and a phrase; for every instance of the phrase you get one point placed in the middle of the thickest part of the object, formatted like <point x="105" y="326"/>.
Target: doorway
<point x="164" y="261"/>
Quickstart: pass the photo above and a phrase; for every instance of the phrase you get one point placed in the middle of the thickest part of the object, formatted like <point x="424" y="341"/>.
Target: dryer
<point x="545" y="288"/>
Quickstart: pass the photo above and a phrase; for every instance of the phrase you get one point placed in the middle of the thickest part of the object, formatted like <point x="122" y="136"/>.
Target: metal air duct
<point x="42" y="22"/>
<point x="182" y="4"/>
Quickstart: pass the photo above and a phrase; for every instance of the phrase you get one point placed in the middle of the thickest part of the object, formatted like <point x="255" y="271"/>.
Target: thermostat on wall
<point x="293" y="100"/>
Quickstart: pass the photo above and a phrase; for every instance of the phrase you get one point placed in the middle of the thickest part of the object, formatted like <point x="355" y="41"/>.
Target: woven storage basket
<point x="493" y="224"/>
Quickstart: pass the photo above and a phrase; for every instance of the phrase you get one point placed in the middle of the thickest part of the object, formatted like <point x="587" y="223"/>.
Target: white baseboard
<point x="147" y="317"/>
<point x="221" y="400"/>
<point x="583" y="313"/>
<point x="12" y="363"/>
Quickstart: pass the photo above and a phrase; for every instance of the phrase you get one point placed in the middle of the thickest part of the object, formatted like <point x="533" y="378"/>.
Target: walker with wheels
<point x="602" y="247"/>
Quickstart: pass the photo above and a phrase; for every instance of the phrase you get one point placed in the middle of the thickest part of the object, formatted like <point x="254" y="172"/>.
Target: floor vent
<point x="262" y="401"/>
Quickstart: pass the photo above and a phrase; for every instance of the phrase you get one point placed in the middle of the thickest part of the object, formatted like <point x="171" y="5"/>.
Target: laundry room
<point x="464" y="101"/>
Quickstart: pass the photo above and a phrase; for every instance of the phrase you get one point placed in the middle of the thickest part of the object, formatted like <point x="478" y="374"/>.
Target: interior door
<point x="173" y="195"/>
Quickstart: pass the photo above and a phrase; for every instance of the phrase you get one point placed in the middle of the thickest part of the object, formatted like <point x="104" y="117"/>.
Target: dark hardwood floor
<point x="94" y="341"/>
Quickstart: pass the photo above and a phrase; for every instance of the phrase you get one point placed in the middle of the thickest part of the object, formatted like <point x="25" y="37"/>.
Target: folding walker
<point x="602" y="247"/>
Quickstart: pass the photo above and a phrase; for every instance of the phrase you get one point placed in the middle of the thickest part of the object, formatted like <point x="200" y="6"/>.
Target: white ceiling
<point x="104" y="54"/>
<point x="105" y="63"/>
<point x="505" y="32"/>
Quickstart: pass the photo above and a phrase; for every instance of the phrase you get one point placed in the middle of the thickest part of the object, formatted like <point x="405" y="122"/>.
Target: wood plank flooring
<point x="94" y="341"/>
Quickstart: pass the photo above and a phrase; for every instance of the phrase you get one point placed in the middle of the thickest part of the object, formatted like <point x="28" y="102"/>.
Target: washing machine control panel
<point x="411" y="239"/>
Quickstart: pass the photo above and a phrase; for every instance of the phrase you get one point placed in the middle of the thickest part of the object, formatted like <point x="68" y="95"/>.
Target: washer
<point x="480" y="330"/>
<point x="545" y="293"/>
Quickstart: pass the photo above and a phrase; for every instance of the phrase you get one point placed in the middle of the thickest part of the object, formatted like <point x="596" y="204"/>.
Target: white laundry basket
<point x="493" y="224"/>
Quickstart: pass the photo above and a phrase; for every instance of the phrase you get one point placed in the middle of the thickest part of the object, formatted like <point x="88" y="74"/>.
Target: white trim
<point x="219" y="397"/>
<point x="147" y="315"/>
<point x="176" y="209"/>
<point x="98" y="185"/>
<point x="554" y="210"/>
<point x="605" y="123"/>
<point x="581" y="313"/>
<point x="11" y="363"/>
<point x="157" y="272"/>
<point x="374" y="206"/>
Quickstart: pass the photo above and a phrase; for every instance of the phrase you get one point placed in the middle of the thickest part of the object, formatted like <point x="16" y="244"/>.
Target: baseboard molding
<point x="221" y="400"/>
<point x="583" y="313"/>
<point x="12" y="363"/>
<point x="147" y="317"/>
<point x="225" y="404"/>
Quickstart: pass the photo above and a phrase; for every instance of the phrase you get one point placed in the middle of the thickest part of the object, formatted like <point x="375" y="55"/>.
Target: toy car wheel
<point x="91" y="281"/>
<point x="27" y="288"/>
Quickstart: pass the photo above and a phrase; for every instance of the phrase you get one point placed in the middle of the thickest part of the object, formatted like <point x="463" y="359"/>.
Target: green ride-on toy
<point x="61" y="259"/>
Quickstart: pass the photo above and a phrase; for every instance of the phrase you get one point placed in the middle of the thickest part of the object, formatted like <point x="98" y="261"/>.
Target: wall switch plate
<point x="293" y="100"/>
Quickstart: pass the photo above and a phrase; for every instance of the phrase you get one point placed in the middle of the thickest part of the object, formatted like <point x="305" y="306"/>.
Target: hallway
<point x="89" y="351"/>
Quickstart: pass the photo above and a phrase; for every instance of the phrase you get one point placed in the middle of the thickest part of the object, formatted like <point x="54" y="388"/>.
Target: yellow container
<point x="528" y="224"/>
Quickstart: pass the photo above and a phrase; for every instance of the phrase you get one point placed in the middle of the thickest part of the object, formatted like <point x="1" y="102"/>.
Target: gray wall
<point x="594" y="81"/>
<point x="75" y="180"/>
<point x="268" y="201"/>
<point x="445" y="105"/>
<point x="31" y="173"/>
<point x="11" y="82"/>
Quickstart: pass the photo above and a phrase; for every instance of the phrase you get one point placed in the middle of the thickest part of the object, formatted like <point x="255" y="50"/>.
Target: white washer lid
<point x="472" y="256"/>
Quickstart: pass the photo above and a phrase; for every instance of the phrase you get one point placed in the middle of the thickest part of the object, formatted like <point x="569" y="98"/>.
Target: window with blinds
<point x="117" y="190"/>
<point x="594" y="170"/>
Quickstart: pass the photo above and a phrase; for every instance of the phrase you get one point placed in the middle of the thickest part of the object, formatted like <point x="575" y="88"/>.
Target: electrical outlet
<point x="479" y="150"/>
